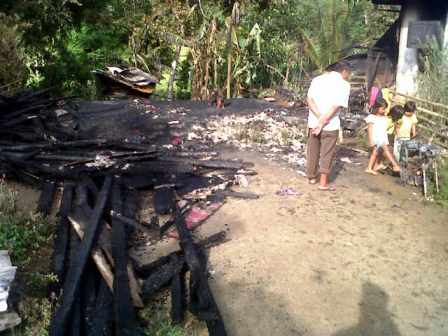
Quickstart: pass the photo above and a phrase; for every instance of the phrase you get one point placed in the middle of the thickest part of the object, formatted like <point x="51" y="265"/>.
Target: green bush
<point x="442" y="196"/>
<point x="22" y="235"/>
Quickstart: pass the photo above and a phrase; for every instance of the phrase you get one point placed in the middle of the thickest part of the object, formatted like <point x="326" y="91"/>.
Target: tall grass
<point x="433" y="86"/>
<point x="433" y="80"/>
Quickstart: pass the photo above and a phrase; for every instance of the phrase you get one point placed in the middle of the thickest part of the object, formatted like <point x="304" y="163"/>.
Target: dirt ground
<point x="368" y="259"/>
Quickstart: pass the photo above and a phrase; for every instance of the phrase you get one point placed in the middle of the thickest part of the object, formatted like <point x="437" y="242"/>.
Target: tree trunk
<point x="286" y="80"/>
<point x="229" y="59"/>
<point x="170" y="93"/>
<point x="206" y="91"/>
<point x="215" y="73"/>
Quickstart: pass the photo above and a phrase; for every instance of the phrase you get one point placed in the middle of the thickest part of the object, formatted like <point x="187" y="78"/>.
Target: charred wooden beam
<point x="61" y="240"/>
<point x="164" y="200"/>
<point x="46" y="197"/>
<point x="202" y="302"/>
<point x="178" y="297"/>
<point x="144" y="271"/>
<point x="125" y="323"/>
<point x="103" y="314"/>
<point x="162" y="275"/>
<point x="129" y="221"/>
<point x="98" y="255"/>
<point x="88" y="296"/>
<point x="74" y="274"/>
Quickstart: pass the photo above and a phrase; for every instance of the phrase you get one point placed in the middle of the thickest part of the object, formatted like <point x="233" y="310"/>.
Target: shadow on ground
<point x="374" y="316"/>
<point x="252" y="310"/>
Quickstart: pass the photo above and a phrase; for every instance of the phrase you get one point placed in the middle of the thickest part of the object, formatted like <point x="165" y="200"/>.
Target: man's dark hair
<point x="341" y="66"/>
<point x="410" y="106"/>
<point x="396" y="112"/>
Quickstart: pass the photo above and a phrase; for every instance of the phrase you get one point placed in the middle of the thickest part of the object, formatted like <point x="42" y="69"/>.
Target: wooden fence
<point x="433" y="119"/>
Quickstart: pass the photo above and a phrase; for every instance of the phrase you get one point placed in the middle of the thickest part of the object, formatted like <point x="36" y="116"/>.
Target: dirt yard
<point x="368" y="259"/>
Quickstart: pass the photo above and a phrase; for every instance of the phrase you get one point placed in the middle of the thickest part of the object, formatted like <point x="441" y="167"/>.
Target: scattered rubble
<point x="100" y="284"/>
<point x="273" y="132"/>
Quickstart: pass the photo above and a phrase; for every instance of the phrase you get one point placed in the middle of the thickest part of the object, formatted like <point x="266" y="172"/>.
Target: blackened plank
<point x="178" y="297"/>
<point x="161" y="275"/>
<point x="125" y="320"/>
<point x="75" y="320"/>
<point x="164" y="200"/>
<point x="61" y="241"/>
<point x="46" y="197"/>
<point x="88" y="296"/>
<point x="137" y="225"/>
<point x="103" y="314"/>
<point x="73" y="277"/>
<point x="202" y="302"/>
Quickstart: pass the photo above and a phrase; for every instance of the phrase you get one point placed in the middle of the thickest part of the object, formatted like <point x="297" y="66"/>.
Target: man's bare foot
<point x="396" y="169"/>
<point x="371" y="171"/>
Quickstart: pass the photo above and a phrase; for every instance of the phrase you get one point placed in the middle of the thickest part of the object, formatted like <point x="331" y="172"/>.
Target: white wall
<point x="407" y="68"/>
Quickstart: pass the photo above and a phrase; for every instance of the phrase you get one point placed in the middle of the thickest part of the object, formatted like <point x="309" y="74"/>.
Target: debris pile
<point x="419" y="163"/>
<point x="117" y="80"/>
<point x="272" y="132"/>
<point x="100" y="284"/>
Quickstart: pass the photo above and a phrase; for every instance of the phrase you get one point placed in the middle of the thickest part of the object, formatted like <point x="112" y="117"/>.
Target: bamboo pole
<point x="433" y="132"/>
<point x="422" y="100"/>
<point x="435" y="114"/>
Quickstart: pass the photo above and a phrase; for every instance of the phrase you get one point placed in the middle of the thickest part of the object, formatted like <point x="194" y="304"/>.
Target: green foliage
<point x="270" y="43"/>
<point x="165" y="328"/>
<point x="36" y="317"/>
<point x="23" y="235"/>
<point x="442" y="196"/>
<point x="12" y="64"/>
<point x="433" y="81"/>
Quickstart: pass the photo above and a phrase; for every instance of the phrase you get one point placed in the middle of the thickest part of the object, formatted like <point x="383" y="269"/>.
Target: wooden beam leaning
<point x="97" y="255"/>
<point x="61" y="241"/>
<point x="73" y="278"/>
<point x="202" y="302"/>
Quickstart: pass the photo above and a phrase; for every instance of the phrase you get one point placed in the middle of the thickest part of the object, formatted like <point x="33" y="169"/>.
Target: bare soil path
<point x="369" y="259"/>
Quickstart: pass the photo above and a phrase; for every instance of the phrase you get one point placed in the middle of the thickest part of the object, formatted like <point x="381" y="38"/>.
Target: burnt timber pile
<point x="100" y="285"/>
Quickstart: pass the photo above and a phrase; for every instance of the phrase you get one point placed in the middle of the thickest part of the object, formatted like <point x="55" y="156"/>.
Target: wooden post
<point x="445" y="38"/>
<point x="407" y="68"/>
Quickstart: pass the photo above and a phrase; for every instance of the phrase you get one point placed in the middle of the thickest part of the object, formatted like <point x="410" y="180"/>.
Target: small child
<point x="378" y="141"/>
<point x="406" y="128"/>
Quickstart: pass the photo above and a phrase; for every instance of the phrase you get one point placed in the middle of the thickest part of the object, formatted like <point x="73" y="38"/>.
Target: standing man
<point x="327" y="94"/>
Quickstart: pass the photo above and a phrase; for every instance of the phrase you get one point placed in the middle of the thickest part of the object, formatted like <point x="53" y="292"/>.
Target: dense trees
<point x="194" y="45"/>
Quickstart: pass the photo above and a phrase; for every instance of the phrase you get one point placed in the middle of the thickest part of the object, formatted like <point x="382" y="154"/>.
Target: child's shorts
<point x="378" y="143"/>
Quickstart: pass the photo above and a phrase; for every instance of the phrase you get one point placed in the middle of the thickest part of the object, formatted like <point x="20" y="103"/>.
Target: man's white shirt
<point x="328" y="90"/>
